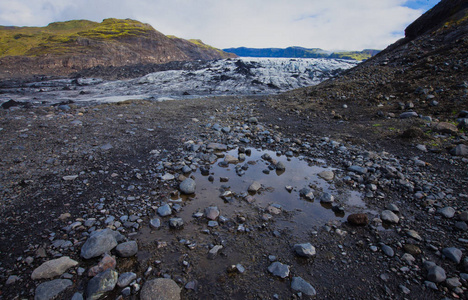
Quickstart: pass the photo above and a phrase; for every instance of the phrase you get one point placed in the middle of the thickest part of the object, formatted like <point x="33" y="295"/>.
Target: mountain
<point x="425" y="71"/>
<point x="300" y="52"/>
<point x="64" y="47"/>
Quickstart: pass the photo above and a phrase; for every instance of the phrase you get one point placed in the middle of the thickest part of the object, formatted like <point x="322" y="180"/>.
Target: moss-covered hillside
<point x="63" y="47"/>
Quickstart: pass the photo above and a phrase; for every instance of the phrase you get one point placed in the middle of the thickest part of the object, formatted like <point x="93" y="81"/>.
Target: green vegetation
<point x="62" y="37"/>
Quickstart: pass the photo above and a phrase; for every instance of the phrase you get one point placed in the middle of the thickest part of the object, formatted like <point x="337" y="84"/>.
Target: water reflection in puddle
<point x="297" y="212"/>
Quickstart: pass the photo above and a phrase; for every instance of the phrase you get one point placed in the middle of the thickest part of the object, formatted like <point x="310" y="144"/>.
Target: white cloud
<point x="331" y="24"/>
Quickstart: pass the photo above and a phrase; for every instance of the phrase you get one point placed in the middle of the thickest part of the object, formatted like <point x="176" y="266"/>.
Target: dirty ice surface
<point x="240" y="76"/>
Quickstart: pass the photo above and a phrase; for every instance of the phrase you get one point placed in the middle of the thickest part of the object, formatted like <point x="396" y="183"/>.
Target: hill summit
<point x="65" y="47"/>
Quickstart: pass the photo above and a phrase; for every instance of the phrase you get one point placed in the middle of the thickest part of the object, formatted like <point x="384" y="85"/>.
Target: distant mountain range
<point x="65" y="47"/>
<point x="300" y="52"/>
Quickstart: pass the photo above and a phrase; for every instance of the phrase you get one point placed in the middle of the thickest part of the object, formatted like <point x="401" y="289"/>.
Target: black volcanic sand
<point x="120" y="151"/>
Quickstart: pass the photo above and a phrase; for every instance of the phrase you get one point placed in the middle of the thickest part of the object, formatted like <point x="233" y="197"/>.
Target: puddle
<point x="298" y="215"/>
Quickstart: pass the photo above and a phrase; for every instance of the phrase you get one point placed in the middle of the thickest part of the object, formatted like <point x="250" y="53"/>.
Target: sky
<point x="326" y="24"/>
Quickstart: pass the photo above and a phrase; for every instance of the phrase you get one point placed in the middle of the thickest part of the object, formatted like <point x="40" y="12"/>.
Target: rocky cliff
<point x="65" y="47"/>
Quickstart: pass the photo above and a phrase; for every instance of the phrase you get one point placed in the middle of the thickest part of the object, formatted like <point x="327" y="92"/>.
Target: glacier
<point x="240" y="76"/>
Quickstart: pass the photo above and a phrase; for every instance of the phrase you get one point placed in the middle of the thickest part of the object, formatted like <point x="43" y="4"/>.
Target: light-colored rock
<point x="127" y="249"/>
<point x="160" y="289"/>
<point x="99" y="243"/>
<point x="254" y="187"/>
<point x="53" y="268"/>
<point x="188" y="186"/>
<point x="389" y="216"/>
<point x="327" y="175"/>
<point x="279" y="269"/>
<point x="304" y="250"/>
<point x="300" y="285"/>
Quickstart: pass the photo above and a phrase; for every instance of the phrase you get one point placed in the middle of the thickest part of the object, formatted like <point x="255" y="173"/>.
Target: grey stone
<point x="127" y="249"/>
<point x="452" y="253"/>
<point x="436" y="274"/>
<point x="77" y="296"/>
<point x="99" y="243"/>
<point x="447" y="212"/>
<point x="453" y="282"/>
<point x="460" y="150"/>
<point x="409" y="114"/>
<point x="125" y="279"/>
<point x="155" y="223"/>
<point x="231" y="159"/>
<point x="51" y="289"/>
<point x="279" y="269"/>
<point x="253" y="120"/>
<point x="387" y="250"/>
<point x="254" y="187"/>
<point x="212" y="212"/>
<point x="160" y="289"/>
<point x="101" y="284"/>
<point x="300" y="285"/>
<point x="358" y="170"/>
<point x="305" y="250"/>
<point x="164" y="210"/>
<point x="52" y="268"/>
<point x="326" y="198"/>
<point x="217" y="146"/>
<point x="176" y="223"/>
<point x="389" y="216"/>
<point x="306" y="194"/>
<point x="464" y="216"/>
<point x="12" y="279"/>
<point x="327" y="175"/>
<point x="280" y="166"/>
<point x="213" y="224"/>
<point x="187" y="186"/>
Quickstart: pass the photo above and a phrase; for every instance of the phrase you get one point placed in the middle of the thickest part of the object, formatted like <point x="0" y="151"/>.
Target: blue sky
<point x="329" y="24"/>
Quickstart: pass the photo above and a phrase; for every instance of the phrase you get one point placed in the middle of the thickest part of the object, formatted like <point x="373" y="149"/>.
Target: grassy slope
<point x="63" y="37"/>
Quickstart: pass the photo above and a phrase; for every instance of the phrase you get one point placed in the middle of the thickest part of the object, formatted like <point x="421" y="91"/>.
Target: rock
<point x="389" y="216"/>
<point x="214" y="251"/>
<point x="327" y="175"/>
<point x="101" y="284"/>
<point x="212" y="212"/>
<point x="448" y="212"/>
<point x="253" y="120"/>
<point x="155" y="223"/>
<point x="125" y="279"/>
<point x="408" y="258"/>
<point x="412" y="249"/>
<point x="280" y="166"/>
<point x="254" y="187"/>
<point x="77" y="296"/>
<point x="307" y="194"/>
<point x="452" y="253"/>
<point x="360" y="219"/>
<point x="12" y="279"/>
<point x="127" y="249"/>
<point x="460" y="150"/>
<point x="357" y="169"/>
<point x="99" y="243"/>
<point x="164" y="210"/>
<point x="326" y="198"/>
<point x="300" y="285"/>
<point x="106" y="263"/>
<point x="52" y="268"/>
<point x="160" y="289"/>
<point x="231" y="159"/>
<point x="176" y="223"/>
<point x="436" y="274"/>
<point x="187" y="186"/>
<point x="51" y="289"/>
<point x="413" y="234"/>
<point x="409" y="114"/>
<point x="387" y="250"/>
<point x="167" y="177"/>
<point x="453" y="282"/>
<point x="279" y="269"/>
<point x="305" y="250"/>
<point x="447" y="128"/>
<point x="422" y="148"/>
<point x="106" y="147"/>
<point x="217" y="146"/>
